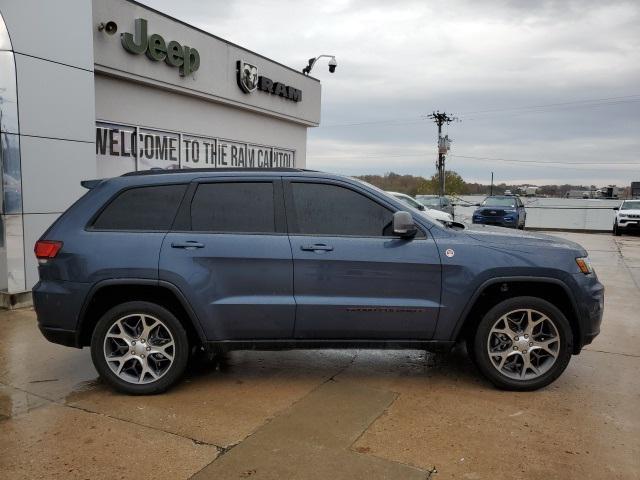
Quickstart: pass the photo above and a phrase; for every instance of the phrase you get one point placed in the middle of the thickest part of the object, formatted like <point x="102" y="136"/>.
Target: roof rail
<point x="159" y="171"/>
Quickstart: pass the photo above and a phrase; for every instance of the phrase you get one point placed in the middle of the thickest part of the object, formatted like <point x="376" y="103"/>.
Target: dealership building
<point x="94" y="89"/>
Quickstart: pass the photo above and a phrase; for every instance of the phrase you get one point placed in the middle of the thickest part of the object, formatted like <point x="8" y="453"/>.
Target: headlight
<point x="584" y="264"/>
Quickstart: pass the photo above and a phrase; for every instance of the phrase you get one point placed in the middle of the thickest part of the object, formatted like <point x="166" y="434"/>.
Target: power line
<point x="587" y="103"/>
<point x="574" y="102"/>
<point x="497" y="159"/>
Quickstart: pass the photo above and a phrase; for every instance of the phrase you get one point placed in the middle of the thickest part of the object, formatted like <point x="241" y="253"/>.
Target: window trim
<point x="89" y="226"/>
<point x="292" y="221"/>
<point x="182" y="222"/>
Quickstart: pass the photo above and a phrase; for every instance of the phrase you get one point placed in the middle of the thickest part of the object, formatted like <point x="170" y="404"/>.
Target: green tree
<point x="453" y="184"/>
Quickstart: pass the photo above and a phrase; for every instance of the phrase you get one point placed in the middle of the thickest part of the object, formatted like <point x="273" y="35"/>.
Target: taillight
<point x="47" y="249"/>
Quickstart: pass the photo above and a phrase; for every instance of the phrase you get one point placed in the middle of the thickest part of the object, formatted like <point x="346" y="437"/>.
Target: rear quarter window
<point x="150" y="208"/>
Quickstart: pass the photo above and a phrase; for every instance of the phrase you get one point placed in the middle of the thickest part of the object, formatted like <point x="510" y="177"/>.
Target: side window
<point x="234" y="207"/>
<point x="149" y="208"/>
<point x="322" y="209"/>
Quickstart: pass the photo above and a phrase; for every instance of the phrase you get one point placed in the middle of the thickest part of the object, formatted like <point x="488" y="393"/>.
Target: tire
<point x="545" y="364"/>
<point x="616" y="230"/>
<point x="158" y="360"/>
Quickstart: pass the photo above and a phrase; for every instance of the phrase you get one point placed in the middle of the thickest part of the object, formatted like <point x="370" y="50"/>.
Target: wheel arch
<point x="109" y="293"/>
<point x="498" y="289"/>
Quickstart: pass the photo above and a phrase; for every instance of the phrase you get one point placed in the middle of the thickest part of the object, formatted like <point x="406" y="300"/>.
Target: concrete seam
<point x="615" y="241"/>
<point x="226" y="448"/>
<point x="86" y="410"/>
<point x="612" y="353"/>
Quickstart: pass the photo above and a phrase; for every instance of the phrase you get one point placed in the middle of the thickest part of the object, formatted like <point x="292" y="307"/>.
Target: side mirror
<point x="616" y="208"/>
<point x="422" y="208"/>
<point x="403" y="224"/>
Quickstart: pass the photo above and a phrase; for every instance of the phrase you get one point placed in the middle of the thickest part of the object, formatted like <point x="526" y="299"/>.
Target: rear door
<point x="229" y="254"/>
<point x="352" y="278"/>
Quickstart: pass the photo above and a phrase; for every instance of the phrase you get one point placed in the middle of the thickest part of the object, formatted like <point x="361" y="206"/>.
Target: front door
<point x="230" y="256"/>
<point x="353" y="279"/>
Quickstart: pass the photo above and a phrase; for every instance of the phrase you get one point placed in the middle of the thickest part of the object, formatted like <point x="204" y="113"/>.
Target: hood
<point x="436" y="214"/>
<point x="512" y="237"/>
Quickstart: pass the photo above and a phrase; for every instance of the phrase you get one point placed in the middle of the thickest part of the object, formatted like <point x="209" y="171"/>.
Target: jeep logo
<point x="187" y="59"/>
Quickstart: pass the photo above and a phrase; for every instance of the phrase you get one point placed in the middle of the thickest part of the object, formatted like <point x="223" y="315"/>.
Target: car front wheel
<point x="616" y="230"/>
<point x="139" y="348"/>
<point x="523" y="343"/>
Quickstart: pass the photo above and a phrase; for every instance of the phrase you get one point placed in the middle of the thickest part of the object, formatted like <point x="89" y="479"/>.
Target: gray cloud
<point x="403" y="59"/>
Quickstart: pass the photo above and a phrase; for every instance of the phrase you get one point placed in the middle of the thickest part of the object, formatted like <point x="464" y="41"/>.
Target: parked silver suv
<point x="436" y="203"/>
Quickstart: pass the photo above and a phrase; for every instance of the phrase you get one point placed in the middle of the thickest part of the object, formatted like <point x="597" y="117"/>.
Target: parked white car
<point x="627" y="217"/>
<point x="412" y="202"/>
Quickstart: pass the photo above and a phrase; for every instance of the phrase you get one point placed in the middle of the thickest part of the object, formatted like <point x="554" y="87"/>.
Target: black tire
<point x="616" y="230"/>
<point x="180" y="351"/>
<point x="481" y="337"/>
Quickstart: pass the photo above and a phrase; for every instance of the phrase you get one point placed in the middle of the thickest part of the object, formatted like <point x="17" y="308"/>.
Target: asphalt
<point x="338" y="414"/>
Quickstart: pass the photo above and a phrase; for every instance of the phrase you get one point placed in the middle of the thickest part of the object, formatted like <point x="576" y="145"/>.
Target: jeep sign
<point x="187" y="59"/>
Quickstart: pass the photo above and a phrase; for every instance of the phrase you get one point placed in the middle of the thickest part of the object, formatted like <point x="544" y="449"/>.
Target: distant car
<point x="501" y="210"/>
<point x="627" y="218"/>
<point x="412" y="202"/>
<point x="434" y="202"/>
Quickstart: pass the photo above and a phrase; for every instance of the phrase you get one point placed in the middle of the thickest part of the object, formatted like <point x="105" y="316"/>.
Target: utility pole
<point x="443" y="146"/>
<point x="491" y="188"/>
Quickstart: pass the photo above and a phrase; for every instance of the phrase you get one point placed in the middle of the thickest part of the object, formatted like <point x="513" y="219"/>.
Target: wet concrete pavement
<point x="332" y="414"/>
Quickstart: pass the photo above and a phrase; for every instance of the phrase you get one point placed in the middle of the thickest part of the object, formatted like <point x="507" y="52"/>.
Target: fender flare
<point x="492" y="281"/>
<point x="193" y="317"/>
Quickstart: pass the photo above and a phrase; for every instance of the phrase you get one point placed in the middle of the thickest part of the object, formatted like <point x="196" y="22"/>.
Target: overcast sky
<point x="574" y="65"/>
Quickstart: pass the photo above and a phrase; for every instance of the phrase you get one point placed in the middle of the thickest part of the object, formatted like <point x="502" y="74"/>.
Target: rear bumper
<point x="57" y="305"/>
<point x="68" y="338"/>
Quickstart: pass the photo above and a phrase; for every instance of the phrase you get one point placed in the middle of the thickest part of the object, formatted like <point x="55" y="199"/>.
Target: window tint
<point x="322" y="209"/>
<point x="233" y="207"/>
<point x="142" y="208"/>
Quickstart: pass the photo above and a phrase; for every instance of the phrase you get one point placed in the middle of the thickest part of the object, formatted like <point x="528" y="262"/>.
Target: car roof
<point x="160" y="176"/>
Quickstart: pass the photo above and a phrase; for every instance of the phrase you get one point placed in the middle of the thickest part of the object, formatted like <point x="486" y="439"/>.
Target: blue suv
<point x="502" y="211"/>
<point x="154" y="268"/>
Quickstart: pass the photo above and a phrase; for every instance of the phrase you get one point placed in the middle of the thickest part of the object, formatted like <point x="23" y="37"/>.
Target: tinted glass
<point x="322" y="209"/>
<point x="233" y="207"/>
<point x="429" y="202"/>
<point x="499" y="202"/>
<point x="631" y="205"/>
<point x="142" y="208"/>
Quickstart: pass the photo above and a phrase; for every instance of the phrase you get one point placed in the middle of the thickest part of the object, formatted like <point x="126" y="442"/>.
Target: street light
<point x="312" y="61"/>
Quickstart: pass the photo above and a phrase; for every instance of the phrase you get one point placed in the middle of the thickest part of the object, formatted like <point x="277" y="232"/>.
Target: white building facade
<point x="98" y="89"/>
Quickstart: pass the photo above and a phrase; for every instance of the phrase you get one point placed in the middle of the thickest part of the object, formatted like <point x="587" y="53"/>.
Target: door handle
<point x="187" y="244"/>
<point x="317" y="247"/>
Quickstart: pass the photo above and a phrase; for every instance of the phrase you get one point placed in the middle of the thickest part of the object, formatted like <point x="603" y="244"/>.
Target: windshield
<point x="429" y="201"/>
<point x="499" y="202"/>
<point x="409" y="201"/>
<point x="633" y="205"/>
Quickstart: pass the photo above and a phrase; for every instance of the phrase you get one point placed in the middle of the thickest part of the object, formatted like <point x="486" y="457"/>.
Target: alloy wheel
<point x="523" y="344"/>
<point x="139" y="348"/>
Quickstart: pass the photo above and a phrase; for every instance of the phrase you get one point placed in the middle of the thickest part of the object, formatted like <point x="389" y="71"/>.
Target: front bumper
<point x="496" y="221"/>
<point x="590" y="308"/>
<point x="628" y="224"/>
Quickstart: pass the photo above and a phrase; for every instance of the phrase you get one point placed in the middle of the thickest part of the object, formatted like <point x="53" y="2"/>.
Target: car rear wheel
<point x="139" y="348"/>
<point x="523" y="343"/>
